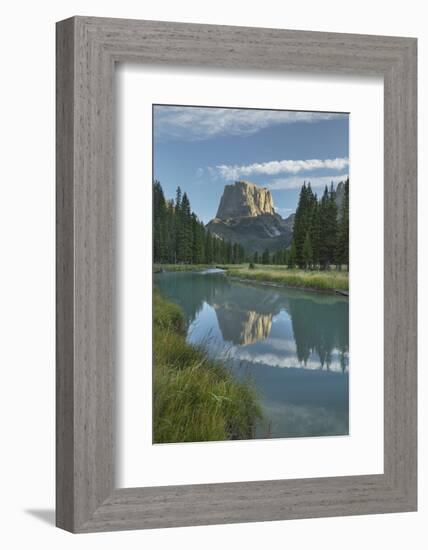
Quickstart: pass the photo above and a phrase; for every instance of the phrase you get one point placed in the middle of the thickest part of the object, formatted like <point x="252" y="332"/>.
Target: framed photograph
<point x="236" y="274"/>
<point x="234" y="360"/>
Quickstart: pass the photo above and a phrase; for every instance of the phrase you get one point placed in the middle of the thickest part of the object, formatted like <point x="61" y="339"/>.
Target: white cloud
<point x="199" y="123"/>
<point x="296" y="183"/>
<point x="289" y="360"/>
<point x="275" y="167"/>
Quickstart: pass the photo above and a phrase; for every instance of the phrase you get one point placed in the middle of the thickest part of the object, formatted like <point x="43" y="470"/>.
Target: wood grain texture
<point x="64" y="276"/>
<point x="87" y="49"/>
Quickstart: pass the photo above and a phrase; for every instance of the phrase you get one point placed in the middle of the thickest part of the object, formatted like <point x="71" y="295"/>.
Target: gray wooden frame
<point x="87" y="50"/>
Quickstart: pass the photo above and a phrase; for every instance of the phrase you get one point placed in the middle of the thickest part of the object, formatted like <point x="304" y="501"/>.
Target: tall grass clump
<point x="195" y="398"/>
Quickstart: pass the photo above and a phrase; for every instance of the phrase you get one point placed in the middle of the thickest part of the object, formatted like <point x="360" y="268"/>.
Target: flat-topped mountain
<point x="244" y="198"/>
<point x="246" y="215"/>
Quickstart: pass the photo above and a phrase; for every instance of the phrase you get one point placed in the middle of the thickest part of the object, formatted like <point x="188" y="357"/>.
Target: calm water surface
<point x="293" y="344"/>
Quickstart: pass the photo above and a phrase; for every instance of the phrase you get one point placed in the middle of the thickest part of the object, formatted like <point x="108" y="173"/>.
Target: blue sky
<point x="204" y="148"/>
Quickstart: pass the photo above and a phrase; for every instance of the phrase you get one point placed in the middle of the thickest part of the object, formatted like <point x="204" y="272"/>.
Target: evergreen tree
<point x="184" y="232"/>
<point x="319" y="233"/>
<point x="342" y="247"/>
<point x="266" y="257"/>
<point x="209" y="248"/>
<point x="323" y="214"/>
<point x="300" y="223"/>
<point x="170" y="232"/>
<point x="285" y="257"/>
<point x="275" y="257"/>
<point x="177" y="226"/>
<point x="278" y="257"/>
<point x="330" y="231"/>
<point x="216" y="249"/>
<point x="242" y="255"/>
<point x="228" y="252"/>
<point x="159" y="224"/>
<point x="307" y="251"/>
<point x="198" y="231"/>
<point x="235" y="253"/>
<point x="178" y="199"/>
<point x="222" y="251"/>
<point x="315" y="232"/>
<point x="328" y="228"/>
<point x="292" y="256"/>
<point x="256" y="257"/>
<point x="303" y="220"/>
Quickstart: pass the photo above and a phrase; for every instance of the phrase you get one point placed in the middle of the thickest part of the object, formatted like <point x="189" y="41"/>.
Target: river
<point x="293" y="345"/>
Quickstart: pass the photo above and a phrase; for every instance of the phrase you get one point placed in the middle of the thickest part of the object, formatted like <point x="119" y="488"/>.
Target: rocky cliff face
<point x="244" y="198"/>
<point x="246" y="215"/>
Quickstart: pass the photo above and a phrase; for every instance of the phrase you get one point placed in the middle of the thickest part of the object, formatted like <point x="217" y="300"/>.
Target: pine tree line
<point x="320" y="232"/>
<point x="279" y="257"/>
<point x="180" y="237"/>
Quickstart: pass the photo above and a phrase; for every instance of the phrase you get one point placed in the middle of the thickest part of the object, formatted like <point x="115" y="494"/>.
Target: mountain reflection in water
<point x="243" y="327"/>
<point x="293" y="344"/>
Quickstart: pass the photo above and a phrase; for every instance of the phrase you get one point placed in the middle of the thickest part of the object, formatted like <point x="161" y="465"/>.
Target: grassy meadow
<point x="317" y="280"/>
<point x="195" y="398"/>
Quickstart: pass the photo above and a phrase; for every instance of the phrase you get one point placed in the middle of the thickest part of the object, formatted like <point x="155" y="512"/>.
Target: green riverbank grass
<point x="317" y="280"/>
<point x="329" y="280"/>
<point x="195" y="398"/>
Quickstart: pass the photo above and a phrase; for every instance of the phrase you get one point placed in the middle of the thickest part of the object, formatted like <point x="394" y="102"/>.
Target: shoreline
<point x="196" y="398"/>
<point x="237" y="273"/>
<point x="336" y="292"/>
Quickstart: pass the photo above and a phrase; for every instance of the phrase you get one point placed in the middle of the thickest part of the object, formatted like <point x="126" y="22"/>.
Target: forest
<point x="180" y="237"/>
<point x="320" y="234"/>
<point x="321" y="230"/>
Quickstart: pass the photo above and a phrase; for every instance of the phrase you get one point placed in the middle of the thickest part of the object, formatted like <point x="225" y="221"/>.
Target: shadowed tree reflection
<point x="320" y="327"/>
<point x="245" y="313"/>
<point x="292" y="343"/>
<point x="191" y="290"/>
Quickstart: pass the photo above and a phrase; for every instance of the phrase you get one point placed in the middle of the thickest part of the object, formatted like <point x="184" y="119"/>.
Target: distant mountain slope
<point x="246" y="215"/>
